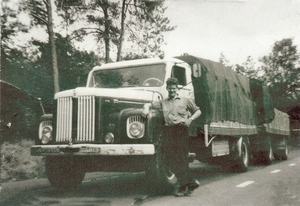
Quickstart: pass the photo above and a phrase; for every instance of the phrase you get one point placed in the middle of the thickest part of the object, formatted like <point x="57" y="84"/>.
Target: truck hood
<point x="124" y="93"/>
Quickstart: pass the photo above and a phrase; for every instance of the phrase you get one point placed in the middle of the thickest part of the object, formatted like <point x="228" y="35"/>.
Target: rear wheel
<point x="266" y="156"/>
<point x="64" y="172"/>
<point x="243" y="158"/>
<point x="282" y="154"/>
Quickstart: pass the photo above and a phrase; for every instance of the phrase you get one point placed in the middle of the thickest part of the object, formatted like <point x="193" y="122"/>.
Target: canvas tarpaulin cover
<point x="280" y="124"/>
<point x="264" y="103"/>
<point x="222" y="94"/>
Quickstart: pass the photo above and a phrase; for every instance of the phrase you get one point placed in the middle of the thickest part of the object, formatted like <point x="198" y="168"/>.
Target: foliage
<point x="41" y="16"/>
<point x="24" y="74"/>
<point x="281" y="71"/>
<point x="146" y="28"/>
<point x="35" y="77"/>
<point x="18" y="164"/>
<point x="74" y="66"/>
<point x="100" y="23"/>
<point x="38" y="12"/>
<point x="136" y="26"/>
<point x="223" y="60"/>
<point x="132" y="55"/>
<point x="11" y="25"/>
<point x="246" y="69"/>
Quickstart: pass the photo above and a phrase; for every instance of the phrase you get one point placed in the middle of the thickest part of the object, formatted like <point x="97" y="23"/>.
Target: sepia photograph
<point x="150" y="103"/>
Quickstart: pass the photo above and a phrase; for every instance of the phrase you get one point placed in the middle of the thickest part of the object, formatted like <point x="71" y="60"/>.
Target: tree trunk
<point x="53" y="47"/>
<point x="122" y="31"/>
<point x="106" y="31"/>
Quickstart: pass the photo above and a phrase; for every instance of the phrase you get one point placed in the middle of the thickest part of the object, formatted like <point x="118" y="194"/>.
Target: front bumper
<point x="93" y="149"/>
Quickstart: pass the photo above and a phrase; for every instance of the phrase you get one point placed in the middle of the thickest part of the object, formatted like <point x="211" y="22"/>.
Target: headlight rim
<point x="139" y="128"/>
<point x="46" y="136"/>
<point x="134" y="120"/>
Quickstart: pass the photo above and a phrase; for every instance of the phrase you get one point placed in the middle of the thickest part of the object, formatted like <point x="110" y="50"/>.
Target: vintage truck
<point x="100" y="128"/>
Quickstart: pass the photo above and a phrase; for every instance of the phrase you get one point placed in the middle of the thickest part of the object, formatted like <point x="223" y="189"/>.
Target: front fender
<point x="153" y="125"/>
<point x="46" y="117"/>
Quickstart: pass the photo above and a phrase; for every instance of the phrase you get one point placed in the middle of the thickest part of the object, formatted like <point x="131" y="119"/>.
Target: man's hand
<point x="145" y="111"/>
<point x="188" y="122"/>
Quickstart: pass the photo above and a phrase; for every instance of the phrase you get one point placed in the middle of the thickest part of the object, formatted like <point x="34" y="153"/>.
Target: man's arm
<point x="196" y="114"/>
<point x="147" y="106"/>
<point x="195" y="110"/>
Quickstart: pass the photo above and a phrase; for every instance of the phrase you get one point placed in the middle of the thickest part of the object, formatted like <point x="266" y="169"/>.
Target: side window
<point x="179" y="73"/>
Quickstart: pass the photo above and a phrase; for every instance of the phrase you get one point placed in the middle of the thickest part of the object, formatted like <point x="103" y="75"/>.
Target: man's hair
<point x="172" y="81"/>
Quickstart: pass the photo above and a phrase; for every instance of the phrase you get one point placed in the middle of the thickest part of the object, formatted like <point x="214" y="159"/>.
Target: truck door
<point x="183" y="75"/>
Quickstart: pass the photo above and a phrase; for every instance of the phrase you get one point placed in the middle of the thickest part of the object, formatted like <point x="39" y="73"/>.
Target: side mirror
<point x="41" y="104"/>
<point x="197" y="70"/>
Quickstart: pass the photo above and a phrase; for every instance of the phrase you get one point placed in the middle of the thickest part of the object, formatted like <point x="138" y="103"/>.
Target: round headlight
<point x="136" y="129"/>
<point x="109" y="138"/>
<point x="46" y="134"/>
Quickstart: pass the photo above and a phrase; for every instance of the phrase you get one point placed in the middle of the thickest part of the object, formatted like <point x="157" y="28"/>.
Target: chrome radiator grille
<point x="85" y="119"/>
<point x="64" y="119"/>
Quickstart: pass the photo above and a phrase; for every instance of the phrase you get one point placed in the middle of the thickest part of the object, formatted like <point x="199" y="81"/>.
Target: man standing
<point x="178" y="112"/>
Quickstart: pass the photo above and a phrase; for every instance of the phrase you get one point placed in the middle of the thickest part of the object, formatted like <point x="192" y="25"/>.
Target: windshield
<point x="140" y="76"/>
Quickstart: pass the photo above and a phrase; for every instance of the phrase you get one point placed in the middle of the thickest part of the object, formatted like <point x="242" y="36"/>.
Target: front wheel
<point x="64" y="172"/>
<point x="160" y="176"/>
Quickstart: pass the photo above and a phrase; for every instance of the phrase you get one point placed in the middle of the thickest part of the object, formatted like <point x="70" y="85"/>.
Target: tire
<point x="160" y="177"/>
<point x="243" y="156"/>
<point x="64" y="172"/>
<point x="268" y="155"/>
<point x="282" y="154"/>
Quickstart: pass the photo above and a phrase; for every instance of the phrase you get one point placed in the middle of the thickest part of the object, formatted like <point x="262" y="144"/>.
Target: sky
<point x="236" y="28"/>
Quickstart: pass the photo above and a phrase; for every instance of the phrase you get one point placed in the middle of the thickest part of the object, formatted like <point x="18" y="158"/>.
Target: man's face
<point x="172" y="90"/>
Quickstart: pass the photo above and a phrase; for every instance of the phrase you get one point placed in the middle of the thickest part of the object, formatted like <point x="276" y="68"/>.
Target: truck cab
<point x="143" y="74"/>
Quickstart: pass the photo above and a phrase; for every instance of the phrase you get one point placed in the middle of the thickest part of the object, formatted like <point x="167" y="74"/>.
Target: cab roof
<point x="136" y="63"/>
